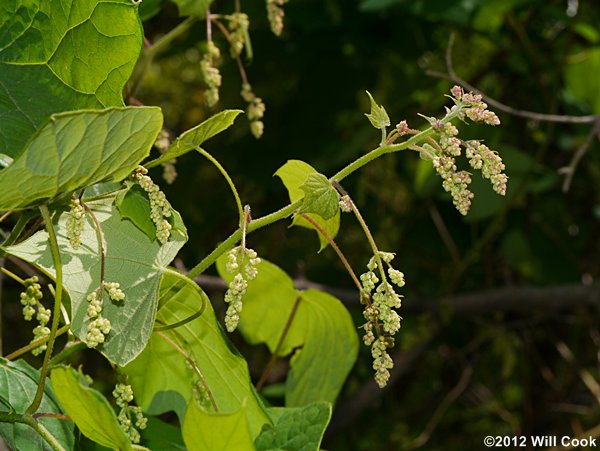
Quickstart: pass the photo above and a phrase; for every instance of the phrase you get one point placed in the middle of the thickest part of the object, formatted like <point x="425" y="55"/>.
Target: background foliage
<point x="500" y="329"/>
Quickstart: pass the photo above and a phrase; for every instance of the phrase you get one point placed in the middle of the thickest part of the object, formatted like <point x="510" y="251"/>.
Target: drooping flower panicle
<point x="160" y="208"/>
<point x="75" y="223"/>
<point x="131" y="418"/>
<point x="31" y="301"/>
<point x="99" y="326"/>
<point x="211" y="74"/>
<point x="448" y="147"/>
<point x="381" y="301"/>
<point x="243" y="263"/>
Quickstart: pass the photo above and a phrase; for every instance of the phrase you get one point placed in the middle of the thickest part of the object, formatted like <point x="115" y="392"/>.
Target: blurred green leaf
<point x="581" y="79"/>
<point x="192" y="7"/>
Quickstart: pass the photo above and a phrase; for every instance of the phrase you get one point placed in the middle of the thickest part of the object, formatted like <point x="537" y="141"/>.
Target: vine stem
<point x="44" y="433"/>
<point x="224" y="173"/>
<point x="36" y="343"/>
<point x="336" y="248"/>
<point x="289" y="209"/>
<point x="56" y="311"/>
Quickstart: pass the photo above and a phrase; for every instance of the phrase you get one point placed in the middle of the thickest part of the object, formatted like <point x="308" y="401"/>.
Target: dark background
<point x="500" y="333"/>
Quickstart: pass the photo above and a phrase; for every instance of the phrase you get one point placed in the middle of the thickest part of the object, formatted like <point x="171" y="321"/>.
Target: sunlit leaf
<point x="61" y="55"/>
<point x="132" y="259"/>
<point x="319" y="196"/>
<point x="294" y="174"/>
<point x="321" y="331"/>
<point x="205" y="431"/>
<point x="194" y="137"/>
<point x="223" y="368"/>
<point x="88" y="409"/>
<point x="77" y="149"/>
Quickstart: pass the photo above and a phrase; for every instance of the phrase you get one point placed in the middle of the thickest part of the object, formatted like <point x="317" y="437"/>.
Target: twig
<point x="569" y="171"/>
<point x="590" y="433"/>
<point x="584" y="374"/>
<point x="336" y="248"/>
<point x="438" y="221"/>
<point x="452" y="76"/>
<point x="452" y="396"/>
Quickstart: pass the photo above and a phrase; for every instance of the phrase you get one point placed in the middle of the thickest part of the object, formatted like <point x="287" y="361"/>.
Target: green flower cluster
<point x="380" y="300"/>
<point x="123" y="395"/>
<point x="448" y="147"/>
<point x="275" y="14"/>
<point x="210" y="73"/>
<point x="160" y="208"/>
<point x="30" y="299"/>
<point x="243" y="263"/>
<point x="99" y="327"/>
<point x="238" y="27"/>
<point x="255" y="110"/>
<point x="75" y="223"/>
<point x="162" y="143"/>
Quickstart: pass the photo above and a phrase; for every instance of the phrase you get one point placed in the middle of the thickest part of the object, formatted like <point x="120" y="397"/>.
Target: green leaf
<point x="319" y="196"/>
<point x="581" y="80"/>
<point x="88" y="409"/>
<point x="294" y="174"/>
<point x="132" y="259"/>
<point x="194" y="137"/>
<point x="223" y="368"/>
<point x="378" y="116"/>
<point x="192" y="7"/>
<point x="61" y="55"/>
<point x="321" y="331"/>
<point x="295" y="428"/>
<point x="205" y="431"/>
<point x="18" y="384"/>
<point x="150" y="8"/>
<point x="77" y="149"/>
<point x="134" y="204"/>
<point x="161" y="436"/>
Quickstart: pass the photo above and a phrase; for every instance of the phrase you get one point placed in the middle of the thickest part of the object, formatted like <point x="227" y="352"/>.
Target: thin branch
<point x="452" y="76"/>
<point x="569" y="171"/>
<point x="452" y="396"/>
<point x="336" y="248"/>
<point x="284" y="332"/>
<point x="584" y="374"/>
<point x="438" y="221"/>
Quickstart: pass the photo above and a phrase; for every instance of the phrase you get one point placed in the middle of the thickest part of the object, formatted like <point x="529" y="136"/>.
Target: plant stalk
<point x="56" y="311"/>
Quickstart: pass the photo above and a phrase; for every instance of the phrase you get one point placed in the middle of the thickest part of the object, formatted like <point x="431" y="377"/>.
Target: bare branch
<point x="569" y="171"/>
<point x="452" y="76"/>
